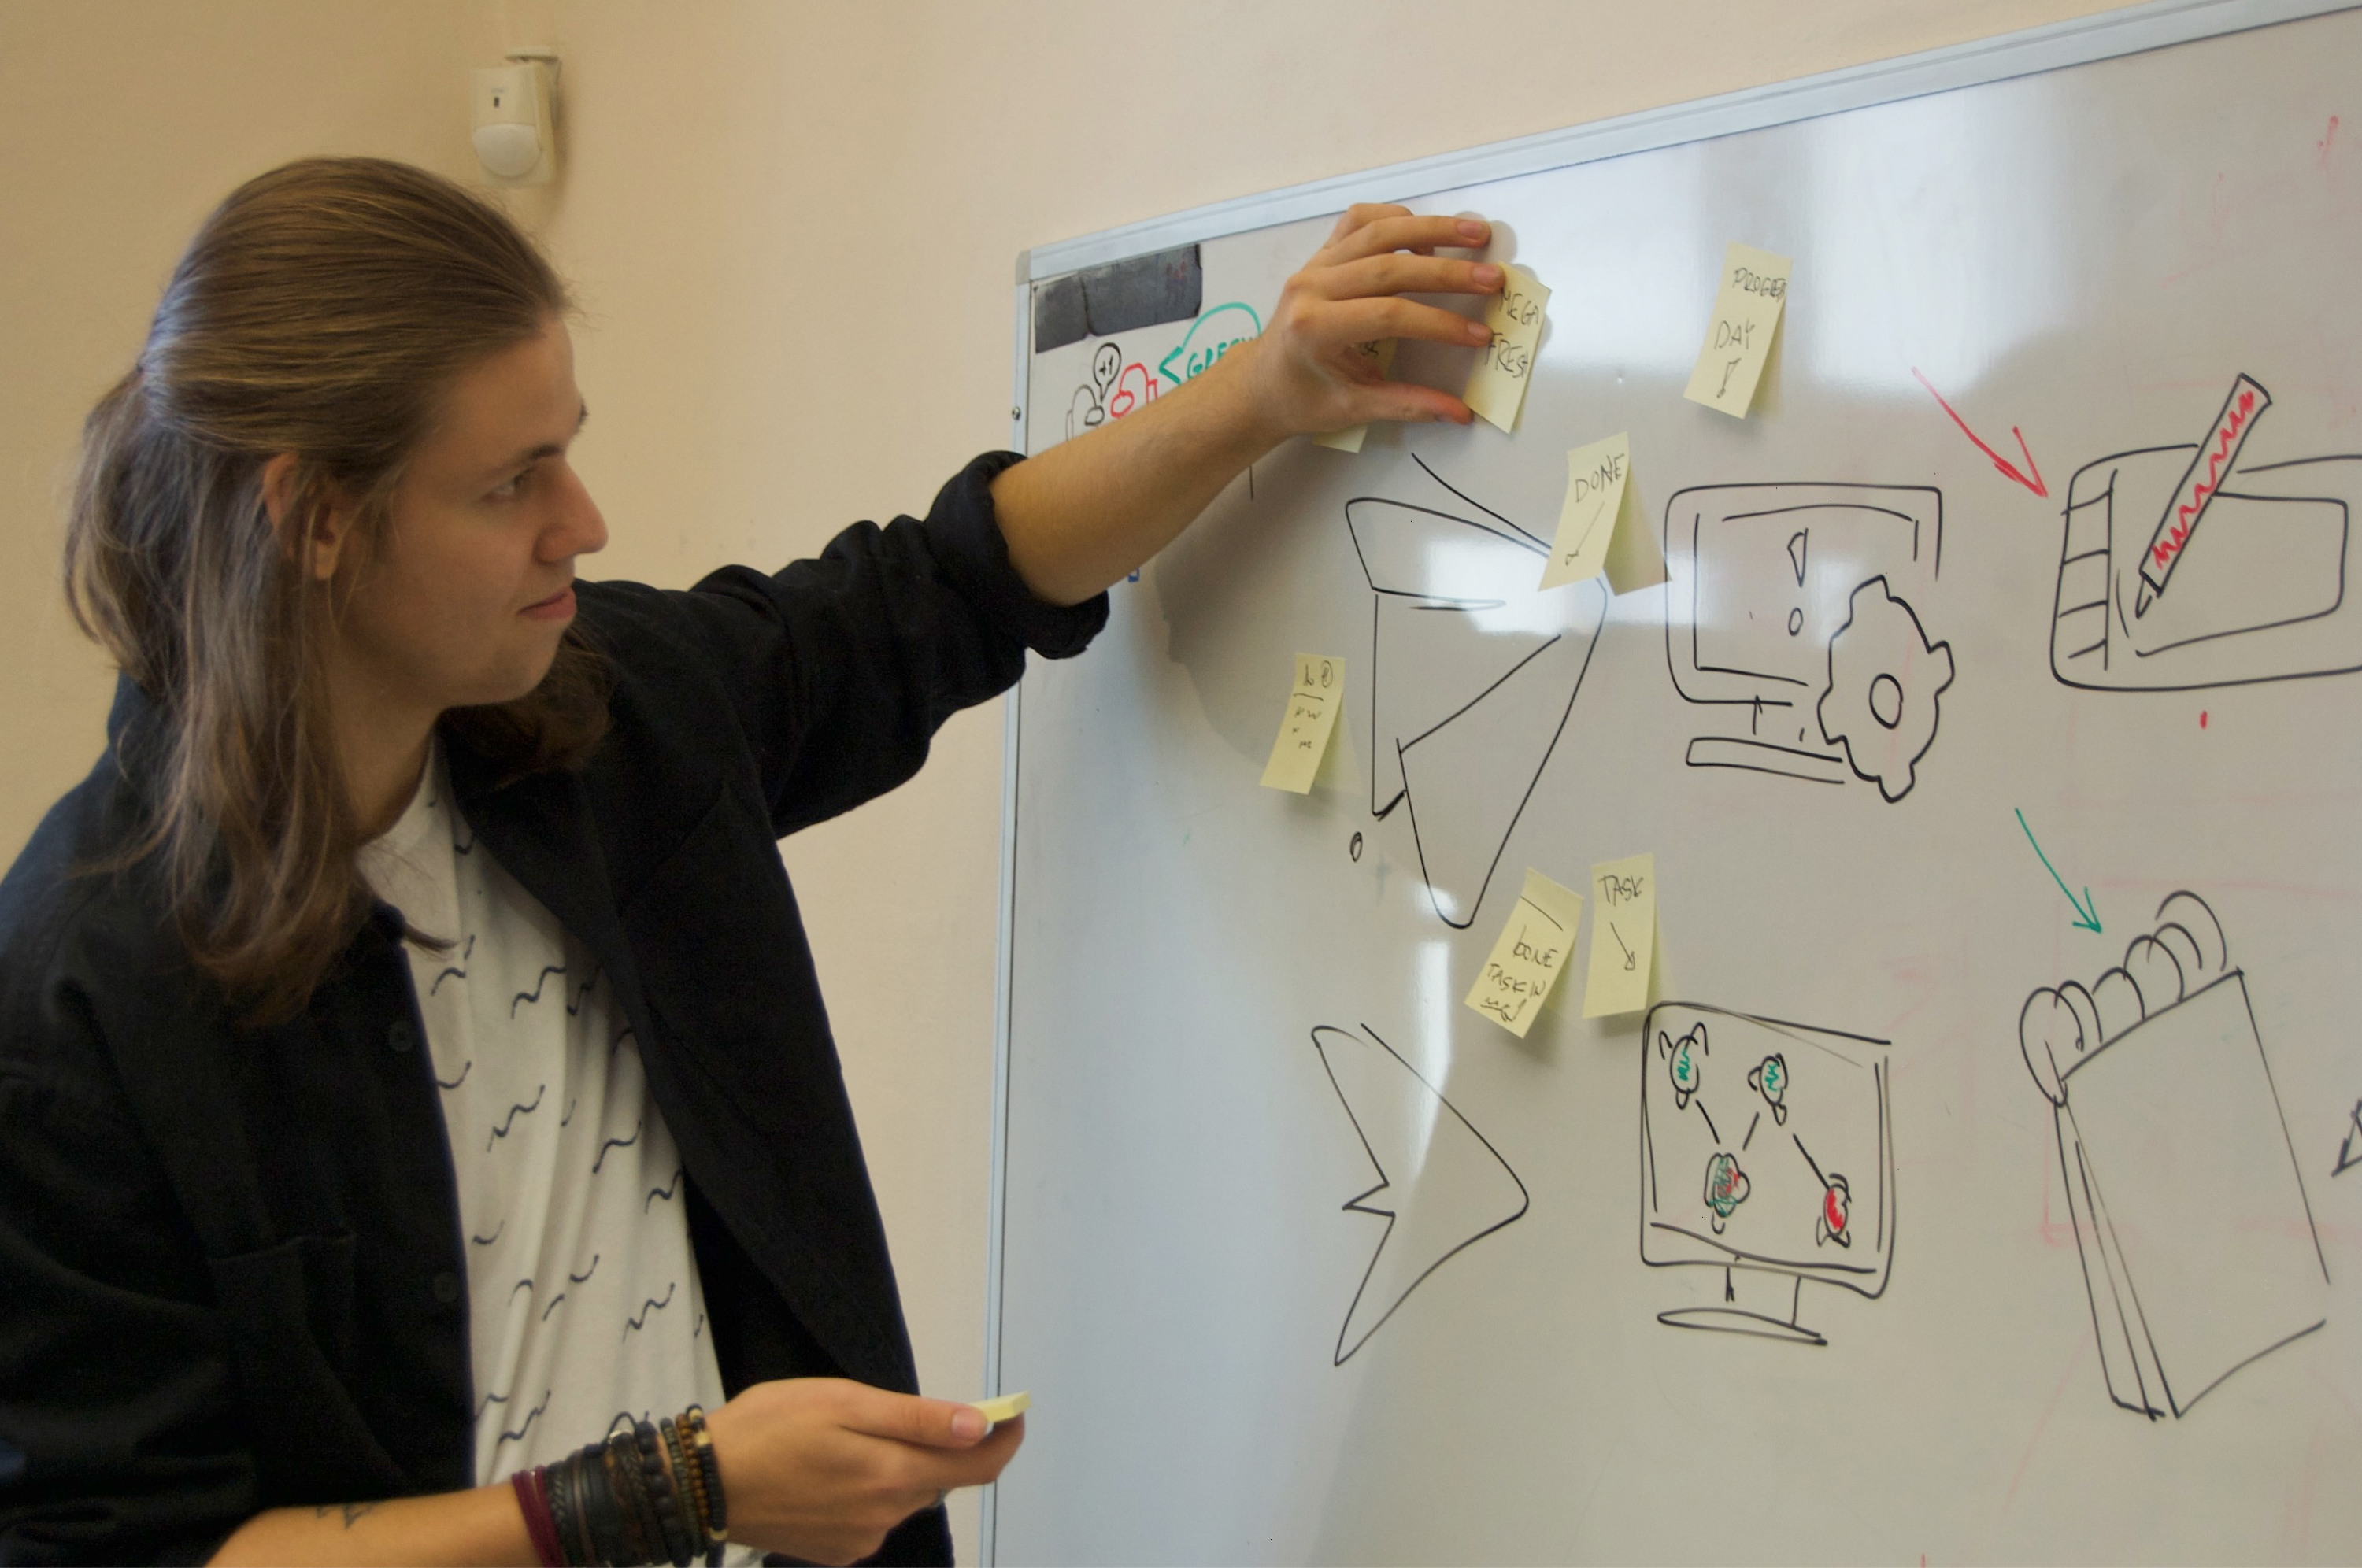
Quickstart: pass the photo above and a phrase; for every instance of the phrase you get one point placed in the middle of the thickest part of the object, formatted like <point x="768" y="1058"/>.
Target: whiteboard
<point x="1973" y="1190"/>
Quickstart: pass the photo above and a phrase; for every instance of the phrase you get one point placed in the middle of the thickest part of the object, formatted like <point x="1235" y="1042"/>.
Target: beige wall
<point x="793" y="227"/>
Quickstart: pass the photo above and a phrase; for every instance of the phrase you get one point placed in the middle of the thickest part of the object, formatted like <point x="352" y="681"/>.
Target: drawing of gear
<point x="1885" y="680"/>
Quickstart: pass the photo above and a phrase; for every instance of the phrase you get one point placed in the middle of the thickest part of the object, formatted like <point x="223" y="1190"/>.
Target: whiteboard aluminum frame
<point x="2134" y="30"/>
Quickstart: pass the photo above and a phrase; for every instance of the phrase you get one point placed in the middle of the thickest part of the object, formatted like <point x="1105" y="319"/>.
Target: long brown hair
<point x="322" y="310"/>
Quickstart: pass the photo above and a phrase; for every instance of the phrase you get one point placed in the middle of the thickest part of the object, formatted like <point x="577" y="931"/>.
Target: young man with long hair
<point x="421" y="1138"/>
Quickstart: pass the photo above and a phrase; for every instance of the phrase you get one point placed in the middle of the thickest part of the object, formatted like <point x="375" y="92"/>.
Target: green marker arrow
<point x="2087" y="912"/>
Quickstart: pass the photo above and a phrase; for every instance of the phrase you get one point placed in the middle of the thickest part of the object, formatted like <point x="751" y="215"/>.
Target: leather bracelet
<point x="717" y="1509"/>
<point x="602" y="1512"/>
<point x="565" y="1513"/>
<point x="539" y="1527"/>
<point x="620" y="1456"/>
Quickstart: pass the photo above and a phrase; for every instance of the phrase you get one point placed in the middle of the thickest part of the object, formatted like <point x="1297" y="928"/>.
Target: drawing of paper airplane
<point x="1472" y="674"/>
<point x="1441" y="1186"/>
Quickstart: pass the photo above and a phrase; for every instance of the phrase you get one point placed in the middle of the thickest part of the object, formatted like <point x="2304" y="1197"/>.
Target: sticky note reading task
<point x="1594" y="503"/>
<point x="1382" y="354"/>
<point x="1497" y="387"/>
<point x="1623" y="936"/>
<point x="1312" y="715"/>
<point x="1738" y="339"/>
<point x="1005" y="1407"/>
<point x="1526" y="962"/>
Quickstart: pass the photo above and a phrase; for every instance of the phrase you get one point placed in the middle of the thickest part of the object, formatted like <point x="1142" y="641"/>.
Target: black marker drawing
<point x="2258" y="593"/>
<point x="2199" y="1251"/>
<point x="1790" y="606"/>
<point x="1815" y="1200"/>
<point x="1454" y="1187"/>
<point x="2349" y="1153"/>
<point x="1473" y="673"/>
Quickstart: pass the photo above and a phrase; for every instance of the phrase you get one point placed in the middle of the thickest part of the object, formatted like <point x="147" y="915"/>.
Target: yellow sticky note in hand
<point x="1525" y="962"/>
<point x="1623" y="936"/>
<point x="1304" y="733"/>
<point x="1382" y="354"/>
<point x="1497" y="387"/>
<point x="1005" y="1407"/>
<point x="1738" y="339"/>
<point x="1591" y="513"/>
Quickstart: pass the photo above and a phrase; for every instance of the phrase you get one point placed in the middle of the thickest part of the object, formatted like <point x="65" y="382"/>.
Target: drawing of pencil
<point x="2198" y="487"/>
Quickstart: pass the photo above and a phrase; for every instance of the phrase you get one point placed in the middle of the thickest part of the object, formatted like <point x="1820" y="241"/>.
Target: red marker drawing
<point x="2198" y="487"/>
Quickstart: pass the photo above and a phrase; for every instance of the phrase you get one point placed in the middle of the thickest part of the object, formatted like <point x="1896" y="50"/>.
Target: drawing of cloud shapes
<point x="1440" y="1186"/>
<point x="1725" y="1187"/>
<point x="1683" y="1062"/>
<point x="1885" y="678"/>
<point x="1211" y="336"/>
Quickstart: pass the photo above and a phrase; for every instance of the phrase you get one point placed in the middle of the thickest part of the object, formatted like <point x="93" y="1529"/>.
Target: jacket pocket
<point x="287" y="1317"/>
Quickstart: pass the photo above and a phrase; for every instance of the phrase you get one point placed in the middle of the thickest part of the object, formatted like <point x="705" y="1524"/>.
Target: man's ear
<point x="329" y="528"/>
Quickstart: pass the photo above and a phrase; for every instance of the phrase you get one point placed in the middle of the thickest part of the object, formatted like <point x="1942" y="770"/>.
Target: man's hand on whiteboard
<point x="1081" y="514"/>
<point x="1312" y="371"/>
<point x="822" y="1468"/>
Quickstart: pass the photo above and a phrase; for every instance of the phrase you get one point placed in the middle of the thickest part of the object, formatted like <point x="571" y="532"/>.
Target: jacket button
<point x="446" y="1287"/>
<point x="401" y="1038"/>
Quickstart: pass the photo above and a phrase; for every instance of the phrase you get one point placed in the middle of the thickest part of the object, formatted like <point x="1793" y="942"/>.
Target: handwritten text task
<point x="1380" y="354"/>
<point x="1312" y="706"/>
<point x="1738" y="339"/>
<point x="1593" y="510"/>
<point x="1497" y="387"/>
<point x="1526" y="961"/>
<point x="1623" y="936"/>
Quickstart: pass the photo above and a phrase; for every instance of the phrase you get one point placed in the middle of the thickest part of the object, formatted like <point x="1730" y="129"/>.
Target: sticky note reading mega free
<point x="1594" y="507"/>
<point x="1623" y="936"/>
<point x="1497" y="387"/>
<point x="1738" y="339"/>
<point x="1382" y="354"/>
<point x="1303" y="732"/>
<point x="1526" y="961"/>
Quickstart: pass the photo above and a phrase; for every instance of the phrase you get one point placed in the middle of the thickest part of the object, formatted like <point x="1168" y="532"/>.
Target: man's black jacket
<point x="231" y="1265"/>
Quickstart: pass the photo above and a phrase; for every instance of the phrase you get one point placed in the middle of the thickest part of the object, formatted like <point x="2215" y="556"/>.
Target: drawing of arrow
<point x="2008" y="468"/>
<point x="2087" y="912"/>
<point x="2347" y="1158"/>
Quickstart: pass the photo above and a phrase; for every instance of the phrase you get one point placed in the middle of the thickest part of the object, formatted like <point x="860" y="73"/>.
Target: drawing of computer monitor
<point x="1790" y="617"/>
<point x="1766" y="1153"/>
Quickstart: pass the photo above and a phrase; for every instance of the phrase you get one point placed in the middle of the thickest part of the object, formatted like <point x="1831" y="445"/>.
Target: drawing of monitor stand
<point x="1766" y="1155"/>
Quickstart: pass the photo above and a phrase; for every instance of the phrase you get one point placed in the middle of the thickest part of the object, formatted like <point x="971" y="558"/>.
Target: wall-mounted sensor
<point x="510" y="105"/>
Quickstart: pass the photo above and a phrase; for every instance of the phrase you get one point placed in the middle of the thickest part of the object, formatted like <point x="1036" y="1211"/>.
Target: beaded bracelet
<point x="714" y="1504"/>
<point x="687" y="1482"/>
<point x="619" y="1501"/>
<point x="662" y="1489"/>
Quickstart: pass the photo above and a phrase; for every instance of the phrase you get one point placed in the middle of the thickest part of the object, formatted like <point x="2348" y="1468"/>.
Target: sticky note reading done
<point x="1623" y="936"/>
<point x="1312" y="715"/>
<point x="1497" y="387"/>
<point x="1738" y="339"/>
<point x="1005" y="1407"/>
<point x="1594" y="503"/>
<point x="1526" y="961"/>
<point x="1382" y="354"/>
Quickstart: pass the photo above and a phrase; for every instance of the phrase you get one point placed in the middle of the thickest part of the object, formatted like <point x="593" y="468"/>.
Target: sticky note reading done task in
<point x="1497" y="387"/>
<point x="1382" y="354"/>
<point x="1526" y="961"/>
<point x="1594" y="503"/>
<point x="1738" y="338"/>
<point x="1005" y="1407"/>
<point x="1623" y="936"/>
<point x="1311" y="715"/>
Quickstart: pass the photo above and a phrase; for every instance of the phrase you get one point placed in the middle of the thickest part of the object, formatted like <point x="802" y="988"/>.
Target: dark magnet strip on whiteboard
<point x="1103" y="300"/>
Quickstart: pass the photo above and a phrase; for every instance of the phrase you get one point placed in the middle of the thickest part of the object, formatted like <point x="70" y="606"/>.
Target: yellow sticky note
<point x="1303" y="732"/>
<point x="1497" y="387"/>
<point x="1738" y="338"/>
<point x="1633" y="559"/>
<point x="1623" y="936"/>
<point x="1526" y="961"/>
<point x="1005" y="1407"/>
<point x="1381" y="354"/>
<point x="1593" y="511"/>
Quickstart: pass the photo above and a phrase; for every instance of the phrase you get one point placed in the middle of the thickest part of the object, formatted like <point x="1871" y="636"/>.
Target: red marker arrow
<point x="2007" y="468"/>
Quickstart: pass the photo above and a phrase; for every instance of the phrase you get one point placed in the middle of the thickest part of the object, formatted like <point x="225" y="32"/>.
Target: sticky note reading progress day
<point x="1526" y="961"/>
<point x="1623" y="936"/>
<point x="1303" y="732"/>
<point x="1497" y="387"/>
<point x="1738" y="339"/>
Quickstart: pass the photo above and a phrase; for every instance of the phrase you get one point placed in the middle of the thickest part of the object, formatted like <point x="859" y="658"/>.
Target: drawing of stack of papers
<point x="1474" y="672"/>
<point x="2197" y="1244"/>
